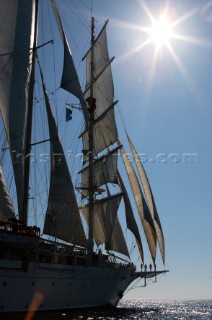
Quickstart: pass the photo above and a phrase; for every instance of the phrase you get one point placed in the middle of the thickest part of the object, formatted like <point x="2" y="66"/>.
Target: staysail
<point x="143" y="210"/>
<point x="62" y="217"/>
<point x="16" y="42"/>
<point x="6" y="207"/>
<point x="69" y="81"/>
<point x="117" y="241"/>
<point x="150" y="199"/>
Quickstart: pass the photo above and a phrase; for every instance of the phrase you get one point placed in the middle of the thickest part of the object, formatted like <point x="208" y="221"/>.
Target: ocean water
<point x="132" y="310"/>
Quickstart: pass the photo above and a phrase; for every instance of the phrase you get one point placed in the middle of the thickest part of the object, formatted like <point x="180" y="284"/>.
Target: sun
<point x="161" y="31"/>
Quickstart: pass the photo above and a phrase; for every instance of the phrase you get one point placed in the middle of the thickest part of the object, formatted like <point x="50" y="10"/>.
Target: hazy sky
<point x="165" y="97"/>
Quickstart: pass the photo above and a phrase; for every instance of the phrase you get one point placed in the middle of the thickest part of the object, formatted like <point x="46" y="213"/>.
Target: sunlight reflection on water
<point x="133" y="309"/>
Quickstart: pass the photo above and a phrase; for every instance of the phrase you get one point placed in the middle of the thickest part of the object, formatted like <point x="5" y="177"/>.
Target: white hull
<point x="46" y="286"/>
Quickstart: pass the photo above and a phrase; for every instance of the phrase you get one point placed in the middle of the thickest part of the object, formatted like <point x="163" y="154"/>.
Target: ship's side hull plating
<point x="46" y="286"/>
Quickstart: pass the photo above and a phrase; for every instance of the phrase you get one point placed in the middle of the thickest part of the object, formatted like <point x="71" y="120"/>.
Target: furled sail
<point x="69" y="81"/>
<point x="62" y="217"/>
<point x="104" y="171"/>
<point x="6" y="207"/>
<point x="105" y="132"/>
<point x="105" y="218"/>
<point x="130" y="219"/>
<point x="16" y="42"/>
<point x="150" y="200"/>
<point x="143" y="210"/>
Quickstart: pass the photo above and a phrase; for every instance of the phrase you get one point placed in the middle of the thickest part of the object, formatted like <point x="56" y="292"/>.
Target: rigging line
<point x="74" y="164"/>
<point x="138" y="259"/>
<point x="121" y="117"/>
<point x="54" y="62"/>
<point x="73" y="39"/>
<point x="75" y="137"/>
<point x="10" y="184"/>
<point x="75" y="10"/>
<point x="85" y="5"/>
<point x="42" y="177"/>
<point x="91" y="8"/>
<point x="133" y="285"/>
<point x="40" y="85"/>
<point x="74" y="172"/>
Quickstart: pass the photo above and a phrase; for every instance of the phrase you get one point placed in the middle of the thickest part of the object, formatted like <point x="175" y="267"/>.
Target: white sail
<point x="104" y="171"/>
<point x="104" y="132"/>
<point x="62" y="218"/>
<point x="143" y="210"/>
<point x="105" y="218"/>
<point x="103" y="90"/>
<point x="117" y="241"/>
<point x="150" y="199"/>
<point x="69" y="81"/>
<point x="99" y="234"/>
<point x="16" y="42"/>
<point x="130" y="219"/>
<point x="6" y="207"/>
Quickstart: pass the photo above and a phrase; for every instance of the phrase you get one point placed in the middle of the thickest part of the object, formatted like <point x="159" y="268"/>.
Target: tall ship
<point x="62" y="235"/>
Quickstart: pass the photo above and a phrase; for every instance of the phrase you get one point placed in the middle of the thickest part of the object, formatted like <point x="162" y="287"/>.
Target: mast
<point x="24" y="214"/>
<point x="92" y="106"/>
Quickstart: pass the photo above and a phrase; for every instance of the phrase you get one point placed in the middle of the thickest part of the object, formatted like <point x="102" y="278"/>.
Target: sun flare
<point x="161" y="31"/>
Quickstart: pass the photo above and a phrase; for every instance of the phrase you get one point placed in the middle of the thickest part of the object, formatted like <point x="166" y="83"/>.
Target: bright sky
<point x="163" y="80"/>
